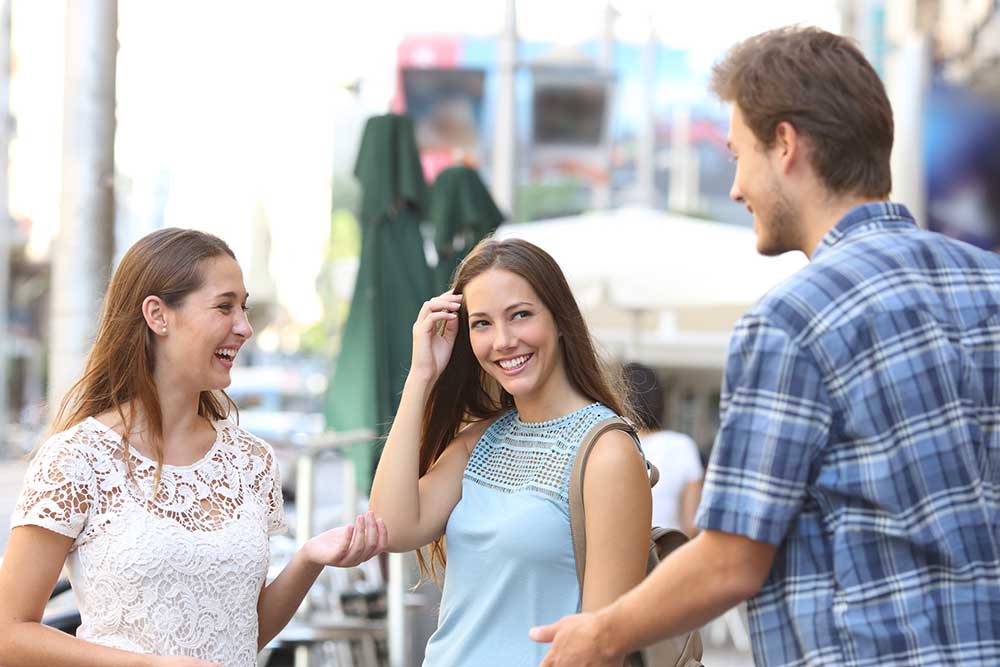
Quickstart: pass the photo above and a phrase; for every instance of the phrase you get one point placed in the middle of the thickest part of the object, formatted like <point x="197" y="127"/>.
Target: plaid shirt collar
<point x="875" y="215"/>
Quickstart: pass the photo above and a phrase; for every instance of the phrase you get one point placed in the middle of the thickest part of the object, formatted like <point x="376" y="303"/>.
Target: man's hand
<point x="577" y="641"/>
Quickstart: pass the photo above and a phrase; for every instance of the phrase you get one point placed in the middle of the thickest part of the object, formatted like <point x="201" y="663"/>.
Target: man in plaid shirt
<point x="853" y="495"/>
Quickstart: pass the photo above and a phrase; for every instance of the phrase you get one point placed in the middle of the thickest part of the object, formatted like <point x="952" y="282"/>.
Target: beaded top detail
<point x="514" y="456"/>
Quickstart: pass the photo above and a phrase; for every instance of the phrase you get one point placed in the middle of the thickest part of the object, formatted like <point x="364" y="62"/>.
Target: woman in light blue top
<point x="503" y="385"/>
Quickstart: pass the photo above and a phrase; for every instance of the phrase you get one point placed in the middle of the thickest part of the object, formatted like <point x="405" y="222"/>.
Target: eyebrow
<point x="230" y="295"/>
<point x="510" y="307"/>
<point x="729" y="145"/>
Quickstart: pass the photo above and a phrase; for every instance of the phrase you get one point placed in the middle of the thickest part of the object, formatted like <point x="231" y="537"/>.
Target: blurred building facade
<point x="601" y="122"/>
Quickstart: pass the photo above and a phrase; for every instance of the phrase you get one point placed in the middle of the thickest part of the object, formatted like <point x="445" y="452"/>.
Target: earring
<point x="163" y="330"/>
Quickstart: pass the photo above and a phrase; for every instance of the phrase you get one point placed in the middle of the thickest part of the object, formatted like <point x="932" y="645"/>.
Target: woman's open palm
<point x="350" y="545"/>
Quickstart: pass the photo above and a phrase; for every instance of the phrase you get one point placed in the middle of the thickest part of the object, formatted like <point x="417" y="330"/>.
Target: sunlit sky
<point x="230" y="107"/>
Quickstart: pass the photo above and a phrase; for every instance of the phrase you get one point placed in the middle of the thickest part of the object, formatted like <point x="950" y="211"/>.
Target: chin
<point x="765" y="249"/>
<point x="220" y="384"/>
<point x="515" y="388"/>
<point x="773" y="249"/>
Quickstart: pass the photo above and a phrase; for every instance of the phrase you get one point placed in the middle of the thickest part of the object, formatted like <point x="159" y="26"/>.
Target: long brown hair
<point x="465" y="393"/>
<point x="119" y="371"/>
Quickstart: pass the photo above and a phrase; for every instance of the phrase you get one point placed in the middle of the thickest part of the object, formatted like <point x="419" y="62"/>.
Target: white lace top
<point x="176" y="574"/>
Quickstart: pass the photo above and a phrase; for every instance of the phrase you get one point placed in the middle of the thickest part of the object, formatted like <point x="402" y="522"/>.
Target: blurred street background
<point x="584" y="126"/>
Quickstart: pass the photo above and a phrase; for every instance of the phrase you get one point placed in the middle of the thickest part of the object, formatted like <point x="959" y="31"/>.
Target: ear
<point x="154" y="311"/>
<point x="788" y="145"/>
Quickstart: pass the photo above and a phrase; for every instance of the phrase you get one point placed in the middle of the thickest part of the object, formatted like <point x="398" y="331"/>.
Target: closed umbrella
<point x="393" y="281"/>
<point x="462" y="212"/>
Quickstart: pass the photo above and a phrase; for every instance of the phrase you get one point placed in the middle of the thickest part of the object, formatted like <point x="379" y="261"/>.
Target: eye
<point x="225" y="307"/>
<point x="520" y="315"/>
<point x="246" y="308"/>
<point x="478" y="324"/>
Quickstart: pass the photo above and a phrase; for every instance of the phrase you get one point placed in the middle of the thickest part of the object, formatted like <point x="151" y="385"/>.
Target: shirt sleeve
<point x="774" y="422"/>
<point x="59" y="490"/>
<point x="274" y="501"/>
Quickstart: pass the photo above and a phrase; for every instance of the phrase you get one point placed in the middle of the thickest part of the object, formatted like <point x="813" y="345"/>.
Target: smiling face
<point x="205" y="332"/>
<point x="756" y="184"/>
<point x="513" y="334"/>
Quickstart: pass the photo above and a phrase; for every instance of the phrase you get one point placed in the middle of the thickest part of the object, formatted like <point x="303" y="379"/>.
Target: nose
<point x="504" y="338"/>
<point x="735" y="193"/>
<point x="241" y="327"/>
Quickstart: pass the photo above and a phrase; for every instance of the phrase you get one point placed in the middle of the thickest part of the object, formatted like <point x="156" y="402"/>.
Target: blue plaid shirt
<point x="860" y="433"/>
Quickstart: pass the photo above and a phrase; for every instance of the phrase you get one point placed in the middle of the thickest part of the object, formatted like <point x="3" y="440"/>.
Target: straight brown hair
<point x="119" y="370"/>
<point x="824" y="87"/>
<point x="465" y="393"/>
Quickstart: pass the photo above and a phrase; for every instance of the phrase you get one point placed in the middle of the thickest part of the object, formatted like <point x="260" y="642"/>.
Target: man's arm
<point x="697" y="583"/>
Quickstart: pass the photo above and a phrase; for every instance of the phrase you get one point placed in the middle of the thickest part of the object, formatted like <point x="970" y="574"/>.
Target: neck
<point x="821" y="212"/>
<point x="178" y="408"/>
<point x="555" y="398"/>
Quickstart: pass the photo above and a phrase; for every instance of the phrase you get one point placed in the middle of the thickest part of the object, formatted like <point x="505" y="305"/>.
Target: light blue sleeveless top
<point x="510" y="550"/>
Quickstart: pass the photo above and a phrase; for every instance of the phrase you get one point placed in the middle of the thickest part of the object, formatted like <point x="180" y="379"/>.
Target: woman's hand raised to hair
<point x="349" y="545"/>
<point x="431" y="349"/>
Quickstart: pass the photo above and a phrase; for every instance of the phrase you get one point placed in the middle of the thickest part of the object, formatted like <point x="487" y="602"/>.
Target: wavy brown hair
<point x="465" y="393"/>
<point x="119" y="370"/>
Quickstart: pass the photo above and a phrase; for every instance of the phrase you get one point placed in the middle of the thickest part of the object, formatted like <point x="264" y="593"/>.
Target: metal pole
<point x="397" y="631"/>
<point x="505" y="132"/>
<point x="83" y="249"/>
<point x="907" y="79"/>
<point x="305" y="487"/>
<point x="602" y="190"/>
<point x="684" y="187"/>
<point x="5" y="221"/>
<point x="646" y="153"/>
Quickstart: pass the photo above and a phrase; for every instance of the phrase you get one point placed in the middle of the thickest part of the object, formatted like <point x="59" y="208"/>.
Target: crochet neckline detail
<point x="552" y="422"/>
<point x="107" y="431"/>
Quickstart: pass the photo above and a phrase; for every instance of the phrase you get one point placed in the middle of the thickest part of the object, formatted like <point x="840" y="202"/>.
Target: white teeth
<point x="226" y="352"/>
<point x="509" y="364"/>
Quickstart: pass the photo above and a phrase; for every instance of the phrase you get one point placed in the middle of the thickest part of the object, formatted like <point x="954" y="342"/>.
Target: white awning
<point x="680" y="281"/>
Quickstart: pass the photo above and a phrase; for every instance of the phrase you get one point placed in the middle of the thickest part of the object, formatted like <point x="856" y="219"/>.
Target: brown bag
<point x="681" y="651"/>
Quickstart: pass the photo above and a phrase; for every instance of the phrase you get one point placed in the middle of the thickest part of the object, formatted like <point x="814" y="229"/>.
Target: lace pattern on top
<point x="176" y="573"/>
<point x="514" y="456"/>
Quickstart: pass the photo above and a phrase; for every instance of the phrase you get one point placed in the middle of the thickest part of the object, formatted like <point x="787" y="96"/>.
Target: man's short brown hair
<point x="824" y="87"/>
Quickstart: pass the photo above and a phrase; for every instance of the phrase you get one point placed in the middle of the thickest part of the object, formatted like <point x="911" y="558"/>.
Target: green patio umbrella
<point x="462" y="212"/>
<point x="393" y="281"/>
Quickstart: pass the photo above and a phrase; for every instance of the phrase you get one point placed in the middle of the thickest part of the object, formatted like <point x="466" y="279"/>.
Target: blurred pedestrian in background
<point x="676" y="495"/>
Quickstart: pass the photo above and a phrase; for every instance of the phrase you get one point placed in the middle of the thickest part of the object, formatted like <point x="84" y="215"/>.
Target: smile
<point x="227" y="353"/>
<point x="514" y="364"/>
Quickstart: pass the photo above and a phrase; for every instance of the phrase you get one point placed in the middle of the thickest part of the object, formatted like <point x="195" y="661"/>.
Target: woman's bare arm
<point x="618" y="516"/>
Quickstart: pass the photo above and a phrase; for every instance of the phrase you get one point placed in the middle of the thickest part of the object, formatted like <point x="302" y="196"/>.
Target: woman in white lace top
<point x="160" y="507"/>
